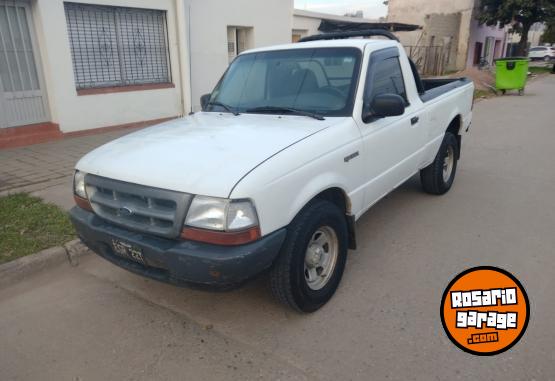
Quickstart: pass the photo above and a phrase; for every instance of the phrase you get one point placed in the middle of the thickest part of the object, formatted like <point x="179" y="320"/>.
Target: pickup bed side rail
<point x="441" y="86"/>
<point x="429" y="89"/>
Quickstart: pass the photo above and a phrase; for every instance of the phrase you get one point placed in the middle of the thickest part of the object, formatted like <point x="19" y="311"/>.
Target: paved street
<point x="98" y="322"/>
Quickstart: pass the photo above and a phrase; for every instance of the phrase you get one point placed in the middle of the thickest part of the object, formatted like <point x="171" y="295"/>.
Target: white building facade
<point x="220" y="29"/>
<point x="78" y="65"/>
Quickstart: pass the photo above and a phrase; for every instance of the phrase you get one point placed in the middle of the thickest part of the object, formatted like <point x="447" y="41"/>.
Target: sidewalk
<point x="46" y="169"/>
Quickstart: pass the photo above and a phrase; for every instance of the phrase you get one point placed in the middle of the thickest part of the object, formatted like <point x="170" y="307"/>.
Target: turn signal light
<point x="83" y="203"/>
<point x="221" y="237"/>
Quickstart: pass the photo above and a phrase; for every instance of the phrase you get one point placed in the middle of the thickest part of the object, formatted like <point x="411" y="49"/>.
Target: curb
<point x="75" y="249"/>
<point x="24" y="267"/>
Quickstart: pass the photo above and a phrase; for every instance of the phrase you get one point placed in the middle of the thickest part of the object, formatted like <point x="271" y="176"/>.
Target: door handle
<point x="414" y="120"/>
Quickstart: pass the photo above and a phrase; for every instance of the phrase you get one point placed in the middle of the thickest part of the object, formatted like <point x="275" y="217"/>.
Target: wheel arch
<point x="341" y="199"/>
<point x="455" y="127"/>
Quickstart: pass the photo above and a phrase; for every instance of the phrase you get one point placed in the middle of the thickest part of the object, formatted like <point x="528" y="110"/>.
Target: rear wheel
<point x="547" y="58"/>
<point x="437" y="178"/>
<point x="311" y="263"/>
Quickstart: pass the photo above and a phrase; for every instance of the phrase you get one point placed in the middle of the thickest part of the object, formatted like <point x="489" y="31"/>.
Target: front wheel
<point x="312" y="259"/>
<point x="437" y="178"/>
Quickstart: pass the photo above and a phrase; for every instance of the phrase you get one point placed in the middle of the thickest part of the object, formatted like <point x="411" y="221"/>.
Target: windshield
<point x="320" y="81"/>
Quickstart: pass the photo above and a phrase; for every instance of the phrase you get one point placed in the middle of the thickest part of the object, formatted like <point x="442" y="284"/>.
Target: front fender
<point x="314" y="187"/>
<point x="282" y="186"/>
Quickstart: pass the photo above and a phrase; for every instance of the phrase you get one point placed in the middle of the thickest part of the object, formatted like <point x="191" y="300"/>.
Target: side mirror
<point x="204" y="101"/>
<point x="384" y="105"/>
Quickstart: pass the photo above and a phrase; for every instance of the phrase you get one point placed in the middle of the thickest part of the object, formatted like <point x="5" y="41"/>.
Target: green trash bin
<point x="511" y="74"/>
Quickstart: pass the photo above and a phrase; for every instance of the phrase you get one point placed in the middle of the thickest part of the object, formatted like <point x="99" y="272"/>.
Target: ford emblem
<point x="125" y="211"/>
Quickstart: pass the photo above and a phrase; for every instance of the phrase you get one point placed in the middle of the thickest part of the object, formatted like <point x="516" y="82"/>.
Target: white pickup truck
<point x="294" y="144"/>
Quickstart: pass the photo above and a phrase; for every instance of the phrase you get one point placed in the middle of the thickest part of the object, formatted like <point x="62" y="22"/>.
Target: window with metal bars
<point x="116" y="46"/>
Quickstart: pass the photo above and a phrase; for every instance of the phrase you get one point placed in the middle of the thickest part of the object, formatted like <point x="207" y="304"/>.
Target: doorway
<point x="22" y="97"/>
<point x="477" y="53"/>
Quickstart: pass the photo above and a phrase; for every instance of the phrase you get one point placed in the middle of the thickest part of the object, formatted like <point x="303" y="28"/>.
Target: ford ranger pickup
<point x="295" y="143"/>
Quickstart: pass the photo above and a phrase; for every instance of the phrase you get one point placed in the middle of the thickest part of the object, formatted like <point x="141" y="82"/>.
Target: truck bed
<point x="434" y="87"/>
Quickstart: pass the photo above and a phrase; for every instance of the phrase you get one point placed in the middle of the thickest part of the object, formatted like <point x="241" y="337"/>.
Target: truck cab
<point x="295" y="143"/>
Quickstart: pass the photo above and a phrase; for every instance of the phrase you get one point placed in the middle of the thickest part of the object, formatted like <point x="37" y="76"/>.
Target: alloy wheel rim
<point x="321" y="258"/>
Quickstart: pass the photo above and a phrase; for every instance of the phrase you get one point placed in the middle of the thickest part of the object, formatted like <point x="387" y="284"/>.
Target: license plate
<point x="126" y="250"/>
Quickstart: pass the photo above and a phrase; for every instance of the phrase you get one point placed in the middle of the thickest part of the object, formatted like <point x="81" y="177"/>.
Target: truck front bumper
<point x="182" y="263"/>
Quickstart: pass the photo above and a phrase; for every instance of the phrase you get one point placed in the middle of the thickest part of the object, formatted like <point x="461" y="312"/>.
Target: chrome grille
<point x="138" y="207"/>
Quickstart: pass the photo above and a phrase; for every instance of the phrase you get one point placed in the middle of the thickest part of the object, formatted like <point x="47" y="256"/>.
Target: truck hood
<point x="207" y="153"/>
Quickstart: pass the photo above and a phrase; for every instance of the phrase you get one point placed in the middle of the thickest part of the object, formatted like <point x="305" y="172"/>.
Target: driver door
<point x="389" y="143"/>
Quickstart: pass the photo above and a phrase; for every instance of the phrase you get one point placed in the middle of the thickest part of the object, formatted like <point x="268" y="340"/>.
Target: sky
<point x="372" y="9"/>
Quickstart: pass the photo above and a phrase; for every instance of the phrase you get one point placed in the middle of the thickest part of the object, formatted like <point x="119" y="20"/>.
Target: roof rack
<point x="349" y="34"/>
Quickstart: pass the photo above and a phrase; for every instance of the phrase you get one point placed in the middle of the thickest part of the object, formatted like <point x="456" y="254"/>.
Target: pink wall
<point x="479" y="33"/>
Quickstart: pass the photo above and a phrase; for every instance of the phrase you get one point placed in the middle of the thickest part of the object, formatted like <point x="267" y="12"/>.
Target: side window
<point x="386" y="78"/>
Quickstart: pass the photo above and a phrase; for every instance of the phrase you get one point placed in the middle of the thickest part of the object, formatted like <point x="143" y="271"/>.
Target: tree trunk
<point x="522" y="49"/>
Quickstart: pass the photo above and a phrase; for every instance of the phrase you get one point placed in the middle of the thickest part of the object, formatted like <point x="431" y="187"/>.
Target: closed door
<point x="488" y="49"/>
<point x="390" y="144"/>
<point x="22" y="98"/>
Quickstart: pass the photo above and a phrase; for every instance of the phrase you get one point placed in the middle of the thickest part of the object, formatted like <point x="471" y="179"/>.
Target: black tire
<point x="287" y="276"/>
<point x="431" y="177"/>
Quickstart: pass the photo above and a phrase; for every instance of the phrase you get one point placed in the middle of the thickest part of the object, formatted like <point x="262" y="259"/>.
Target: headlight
<point x="221" y="214"/>
<point x="79" y="184"/>
<point x="221" y="221"/>
<point x="207" y="213"/>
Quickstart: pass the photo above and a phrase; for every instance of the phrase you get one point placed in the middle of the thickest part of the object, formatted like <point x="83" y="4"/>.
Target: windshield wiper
<point x="223" y="105"/>
<point x="287" y="110"/>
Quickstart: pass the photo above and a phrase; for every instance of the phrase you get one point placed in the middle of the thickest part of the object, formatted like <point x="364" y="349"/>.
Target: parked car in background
<point x="546" y="53"/>
<point x="295" y="143"/>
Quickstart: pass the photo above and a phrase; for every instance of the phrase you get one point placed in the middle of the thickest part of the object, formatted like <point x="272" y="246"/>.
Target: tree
<point x="548" y="35"/>
<point x="519" y="14"/>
